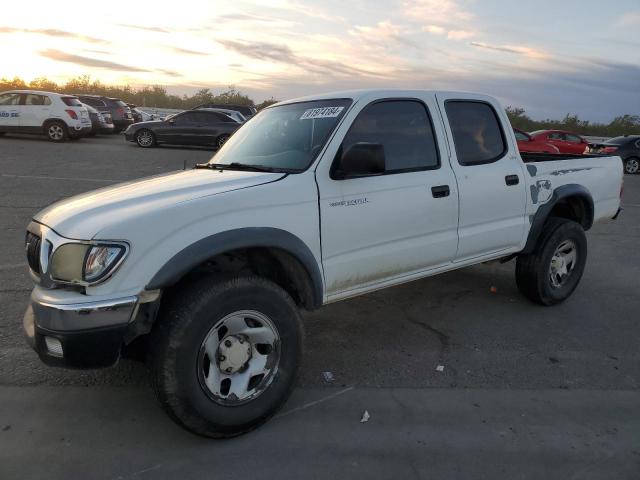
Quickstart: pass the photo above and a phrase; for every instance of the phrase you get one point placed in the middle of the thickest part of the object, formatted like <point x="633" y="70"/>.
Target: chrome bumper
<point x="78" y="335"/>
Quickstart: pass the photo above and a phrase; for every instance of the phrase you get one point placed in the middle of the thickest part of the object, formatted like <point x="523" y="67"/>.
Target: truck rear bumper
<point x="80" y="335"/>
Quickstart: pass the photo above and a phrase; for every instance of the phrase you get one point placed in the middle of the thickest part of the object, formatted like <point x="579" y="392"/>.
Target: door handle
<point x="511" y="180"/>
<point x="440" y="191"/>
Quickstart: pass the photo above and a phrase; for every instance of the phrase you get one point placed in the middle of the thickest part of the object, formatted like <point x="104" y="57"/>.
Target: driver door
<point x="385" y="227"/>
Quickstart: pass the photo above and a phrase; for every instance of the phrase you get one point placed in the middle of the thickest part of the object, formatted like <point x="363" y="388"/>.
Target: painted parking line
<point x="40" y="177"/>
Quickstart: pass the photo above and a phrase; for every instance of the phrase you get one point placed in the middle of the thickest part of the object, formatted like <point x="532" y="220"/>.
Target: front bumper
<point x="78" y="335"/>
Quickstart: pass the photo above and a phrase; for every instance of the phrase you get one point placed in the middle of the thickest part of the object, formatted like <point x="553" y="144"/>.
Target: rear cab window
<point x="405" y="130"/>
<point x="477" y="132"/>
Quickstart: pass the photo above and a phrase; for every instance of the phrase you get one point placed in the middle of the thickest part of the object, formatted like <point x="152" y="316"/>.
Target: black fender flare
<point x="540" y="217"/>
<point x="202" y="250"/>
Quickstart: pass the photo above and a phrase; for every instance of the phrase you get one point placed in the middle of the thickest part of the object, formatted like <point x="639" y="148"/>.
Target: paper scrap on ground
<point x="365" y="417"/>
<point x="328" y="377"/>
<point x="440" y="368"/>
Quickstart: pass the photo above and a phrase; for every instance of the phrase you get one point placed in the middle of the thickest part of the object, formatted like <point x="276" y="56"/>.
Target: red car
<point x="527" y="144"/>
<point x="566" y="142"/>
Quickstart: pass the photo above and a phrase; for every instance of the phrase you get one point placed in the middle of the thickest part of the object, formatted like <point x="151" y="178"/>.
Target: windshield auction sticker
<point x="324" y="112"/>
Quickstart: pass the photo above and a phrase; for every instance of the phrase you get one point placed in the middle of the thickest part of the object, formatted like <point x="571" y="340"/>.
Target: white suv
<point x="56" y="115"/>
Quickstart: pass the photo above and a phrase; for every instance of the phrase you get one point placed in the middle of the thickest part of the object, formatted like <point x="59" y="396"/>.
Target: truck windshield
<point x="287" y="137"/>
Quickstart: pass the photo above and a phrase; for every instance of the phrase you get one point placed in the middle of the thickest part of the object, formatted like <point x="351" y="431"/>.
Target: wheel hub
<point x="562" y="263"/>
<point x="233" y="354"/>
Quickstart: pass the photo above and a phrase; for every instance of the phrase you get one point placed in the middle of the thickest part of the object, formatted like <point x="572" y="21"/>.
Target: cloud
<point x="171" y="73"/>
<point x="629" y="19"/>
<point x="459" y="34"/>
<point x="433" y="12"/>
<point x="187" y="51"/>
<point x="517" y="49"/>
<point x="307" y="10"/>
<point x="87" y="61"/>
<point x="435" y="29"/>
<point x="145" y="28"/>
<point x="53" y="32"/>
<point x="283" y="54"/>
<point x="382" y="32"/>
<point x="260" y="50"/>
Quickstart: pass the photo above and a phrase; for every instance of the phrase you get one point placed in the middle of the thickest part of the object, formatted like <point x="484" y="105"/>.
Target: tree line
<point x="148" y="96"/>
<point x="158" y="96"/>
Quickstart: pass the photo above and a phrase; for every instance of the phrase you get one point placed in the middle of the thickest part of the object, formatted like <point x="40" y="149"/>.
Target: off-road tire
<point x="174" y="345"/>
<point x="533" y="270"/>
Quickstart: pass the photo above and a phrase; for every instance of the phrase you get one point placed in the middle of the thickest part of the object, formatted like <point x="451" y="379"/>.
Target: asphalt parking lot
<point x="526" y="391"/>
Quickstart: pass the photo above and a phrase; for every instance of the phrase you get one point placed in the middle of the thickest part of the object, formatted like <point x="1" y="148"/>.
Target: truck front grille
<point x="33" y="251"/>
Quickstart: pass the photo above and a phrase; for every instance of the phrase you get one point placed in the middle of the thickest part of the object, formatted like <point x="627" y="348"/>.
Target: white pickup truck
<point x="312" y="201"/>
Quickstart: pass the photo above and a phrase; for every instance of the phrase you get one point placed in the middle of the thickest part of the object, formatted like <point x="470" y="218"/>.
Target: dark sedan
<point x="187" y="128"/>
<point x="626" y="147"/>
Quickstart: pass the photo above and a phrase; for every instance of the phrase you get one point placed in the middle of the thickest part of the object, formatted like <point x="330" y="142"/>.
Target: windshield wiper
<point x="244" y="166"/>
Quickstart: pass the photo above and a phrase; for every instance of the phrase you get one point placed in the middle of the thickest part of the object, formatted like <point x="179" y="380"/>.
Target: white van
<point x="55" y="115"/>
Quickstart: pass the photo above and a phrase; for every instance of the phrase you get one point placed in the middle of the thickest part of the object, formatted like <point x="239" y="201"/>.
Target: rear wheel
<point x="632" y="165"/>
<point x="551" y="273"/>
<point x="145" y="138"/>
<point x="225" y="354"/>
<point x="56" y="131"/>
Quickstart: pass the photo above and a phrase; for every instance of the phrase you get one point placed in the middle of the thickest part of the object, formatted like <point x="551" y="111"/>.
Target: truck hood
<point x="83" y="216"/>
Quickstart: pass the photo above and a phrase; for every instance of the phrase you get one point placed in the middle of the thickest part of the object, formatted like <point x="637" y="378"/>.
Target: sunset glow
<point x="285" y="48"/>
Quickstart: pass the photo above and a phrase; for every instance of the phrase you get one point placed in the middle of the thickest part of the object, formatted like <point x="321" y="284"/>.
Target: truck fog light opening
<point x="54" y="347"/>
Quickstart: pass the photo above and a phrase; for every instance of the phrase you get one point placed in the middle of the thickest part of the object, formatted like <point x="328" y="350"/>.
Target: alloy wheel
<point x="632" y="165"/>
<point x="56" y="132"/>
<point x="144" y="138"/>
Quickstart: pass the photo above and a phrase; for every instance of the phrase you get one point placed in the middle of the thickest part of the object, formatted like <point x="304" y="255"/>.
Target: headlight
<point x="84" y="263"/>
<point x="100" y="260"/>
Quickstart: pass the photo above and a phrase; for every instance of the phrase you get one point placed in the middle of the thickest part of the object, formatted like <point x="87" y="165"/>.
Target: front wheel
<point x="225" y="354"/>
<point x="56" y="131"/>
<point x="551" y="273"/>
<point x="145" y="138"/>
<point x="631" y="165"/>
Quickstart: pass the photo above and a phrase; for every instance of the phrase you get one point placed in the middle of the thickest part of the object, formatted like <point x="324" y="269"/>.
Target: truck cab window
<point x="477" y="134"/>
<point x="404" y="129"/>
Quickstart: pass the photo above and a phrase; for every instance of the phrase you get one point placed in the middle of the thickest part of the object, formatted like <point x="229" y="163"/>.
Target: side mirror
<point x="360" y="160"/>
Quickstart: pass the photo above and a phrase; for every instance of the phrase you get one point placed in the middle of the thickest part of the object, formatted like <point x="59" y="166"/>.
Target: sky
<point x="549" y="57"/>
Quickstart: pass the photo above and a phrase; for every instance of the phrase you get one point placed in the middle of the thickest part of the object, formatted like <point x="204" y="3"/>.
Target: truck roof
<point x="381" y="93"/>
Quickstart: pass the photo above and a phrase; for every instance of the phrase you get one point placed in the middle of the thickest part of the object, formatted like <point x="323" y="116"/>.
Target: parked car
<point x="246" y="110"/>
<point x="566" y="142"/>
<point x="528" y="144"/>
<point x="100" y="122"/>
<point x="626" y="147"/>
<point x="318" y="200"/>
<point x="186" y="128"/>
<point x="55" y="115"/>
<point x="237" y="116"/>
<point x="135" y="113"/>
<point x="120" y="112"/>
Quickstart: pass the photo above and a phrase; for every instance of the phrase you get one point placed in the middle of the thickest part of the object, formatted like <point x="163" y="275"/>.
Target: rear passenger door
<point x="381" y="228"/>
<point x="35" y="111"/>
<point x="490" y="177"/>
